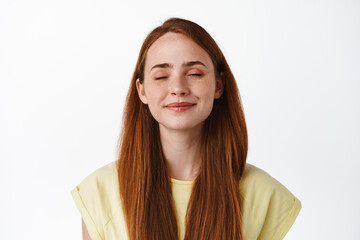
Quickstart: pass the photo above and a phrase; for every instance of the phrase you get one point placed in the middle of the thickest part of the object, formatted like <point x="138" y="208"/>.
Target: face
<point x="179" y="83"/>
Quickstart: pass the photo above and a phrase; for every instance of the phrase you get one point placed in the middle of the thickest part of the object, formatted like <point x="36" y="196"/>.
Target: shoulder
<point x="101" y="183"/>
<point x="255" y="179"/>
<point x="103" y="176"/>
<point x="269" y="208"/>
<point x="97" y="198"/>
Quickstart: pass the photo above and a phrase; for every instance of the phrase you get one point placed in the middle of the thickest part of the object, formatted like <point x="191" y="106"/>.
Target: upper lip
<point x="180" y="104"/>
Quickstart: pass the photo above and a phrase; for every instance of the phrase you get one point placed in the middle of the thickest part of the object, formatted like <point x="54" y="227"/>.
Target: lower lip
<point x="180" y="109"/>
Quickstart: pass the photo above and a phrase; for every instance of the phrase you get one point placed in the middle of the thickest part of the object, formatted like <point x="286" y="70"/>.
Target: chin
<point x="181" y="126"/>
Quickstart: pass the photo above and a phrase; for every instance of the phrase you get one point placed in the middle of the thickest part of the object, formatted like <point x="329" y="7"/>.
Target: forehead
<point x="175" y="49"/>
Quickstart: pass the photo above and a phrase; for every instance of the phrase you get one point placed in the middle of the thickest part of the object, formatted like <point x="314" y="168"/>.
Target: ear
<point x="219" y="87"/>
<point x="141" y="91"/>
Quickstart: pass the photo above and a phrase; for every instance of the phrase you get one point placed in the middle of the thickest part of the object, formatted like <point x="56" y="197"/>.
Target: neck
<point x="182" y="152"/>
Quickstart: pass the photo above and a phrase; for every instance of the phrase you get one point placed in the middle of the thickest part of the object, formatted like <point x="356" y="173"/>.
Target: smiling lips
<point x="180" y="106"/>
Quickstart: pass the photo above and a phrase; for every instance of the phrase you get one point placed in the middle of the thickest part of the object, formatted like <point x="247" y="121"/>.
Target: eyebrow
<point x="162" y="65"/>
<point x="192" y="63"/>
<point x="187" y="64"/>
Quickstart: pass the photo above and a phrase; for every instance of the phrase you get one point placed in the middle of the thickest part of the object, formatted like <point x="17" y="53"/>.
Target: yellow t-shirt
<point x="269" y="209"/>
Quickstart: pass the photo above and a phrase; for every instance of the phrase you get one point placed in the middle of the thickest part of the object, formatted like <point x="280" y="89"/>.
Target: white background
<point x="65" y="67"/>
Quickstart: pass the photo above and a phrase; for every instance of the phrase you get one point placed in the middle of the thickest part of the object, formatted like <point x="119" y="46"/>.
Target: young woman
<point x="181" y="171"/>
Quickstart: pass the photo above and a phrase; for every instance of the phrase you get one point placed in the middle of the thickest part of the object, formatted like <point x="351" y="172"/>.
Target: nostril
<point x="179" y="91"/>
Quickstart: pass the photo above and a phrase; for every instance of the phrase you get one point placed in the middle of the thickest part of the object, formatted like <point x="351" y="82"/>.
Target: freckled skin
<point x="178" y="81"/>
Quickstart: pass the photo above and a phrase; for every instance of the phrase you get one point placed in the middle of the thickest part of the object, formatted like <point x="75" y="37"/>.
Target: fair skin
<point x="85" y="232"/>
<point x="179" y="87"/>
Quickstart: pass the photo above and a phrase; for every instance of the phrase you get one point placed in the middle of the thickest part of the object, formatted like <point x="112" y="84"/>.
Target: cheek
<point x="152" y="92"/>
<point x="154" y="96"/>
<point x="206" y="91"/>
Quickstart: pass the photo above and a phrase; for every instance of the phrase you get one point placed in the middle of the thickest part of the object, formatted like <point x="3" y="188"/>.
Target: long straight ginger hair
<point x="215" y="206"/>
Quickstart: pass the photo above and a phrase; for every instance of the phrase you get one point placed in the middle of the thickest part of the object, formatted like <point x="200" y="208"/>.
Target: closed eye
<point x="196" y="74"/>
<point x="162" y="77"/>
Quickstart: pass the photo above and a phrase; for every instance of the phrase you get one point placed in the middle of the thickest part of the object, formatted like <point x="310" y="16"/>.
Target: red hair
<point x="214" y="209"/>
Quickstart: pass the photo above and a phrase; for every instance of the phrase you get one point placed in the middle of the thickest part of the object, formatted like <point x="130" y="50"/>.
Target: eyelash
<point x="196" y="74"/>
<point x="159" y="78"/>
<point x="192" y="75"/>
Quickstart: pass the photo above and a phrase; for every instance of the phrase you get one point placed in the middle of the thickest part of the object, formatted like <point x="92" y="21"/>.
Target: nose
<point x="179" y="86"/>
